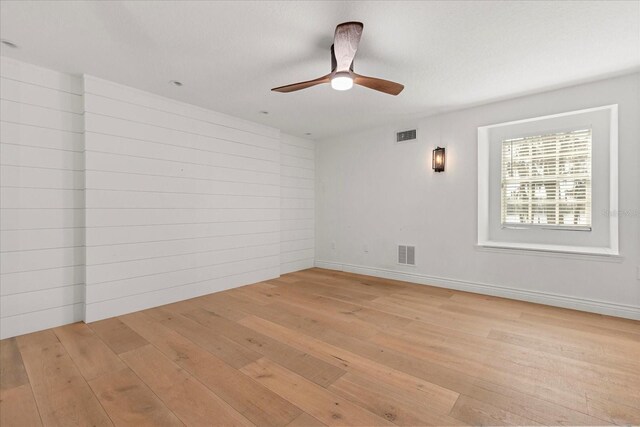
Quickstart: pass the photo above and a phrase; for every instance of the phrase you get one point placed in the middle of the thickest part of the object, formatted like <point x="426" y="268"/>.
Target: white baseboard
<point x="601" y="307"/>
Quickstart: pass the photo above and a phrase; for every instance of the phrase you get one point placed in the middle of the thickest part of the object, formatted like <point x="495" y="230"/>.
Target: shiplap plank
<point x="34" y="239"/>
<point x="130" y="217"/>
<point x="99" y="180"/>
<point x="141" y="199"/>
<point x="297" y="162"/>
<point x="41" y="157"/>
<point x="296" y="245"/>
<point x="24" y="261"/>
<point x="297" y="234"/>
<point x="35" y="280"/>
<point x="16" y="112"/>
<point x="296" y="172"/>
<point x="135" y="166"/>
<point x="114" y="254"/>
<point x="36" y="177"/>
<point x="288" y="149"/>
<point x="135" y="234"/>
<point x="22" y="134"/>
<point x="25" y="218"/>
<point x="295" y="182"/>
<point x="43" y="198"/>
<point x="29" y="93"/>
<point x="21" y="71"/>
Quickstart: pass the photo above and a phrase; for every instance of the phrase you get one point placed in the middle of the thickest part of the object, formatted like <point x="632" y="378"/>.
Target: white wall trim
<point x="583" y="304"/>
<point x="484" y="188"/>
<point x="551" y="254"/>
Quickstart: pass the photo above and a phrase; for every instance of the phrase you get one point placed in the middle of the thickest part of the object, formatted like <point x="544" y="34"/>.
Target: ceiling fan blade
<point x="386" y="86"/>
<point x="345" y="42"/>
<point x="303" y="85"/>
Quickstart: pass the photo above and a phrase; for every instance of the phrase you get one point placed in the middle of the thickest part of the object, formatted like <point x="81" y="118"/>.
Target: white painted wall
<point x="373" y="194"/>
<point x="42" y="198"/>
<point x="297" y="173"/>
<point x="180" y="202"/>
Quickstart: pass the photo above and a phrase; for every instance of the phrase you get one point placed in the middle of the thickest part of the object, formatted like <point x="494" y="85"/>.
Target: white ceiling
<point x="448" y="54"/>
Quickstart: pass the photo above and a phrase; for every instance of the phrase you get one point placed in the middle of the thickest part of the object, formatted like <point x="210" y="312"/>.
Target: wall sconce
<point x="437" y="161"/>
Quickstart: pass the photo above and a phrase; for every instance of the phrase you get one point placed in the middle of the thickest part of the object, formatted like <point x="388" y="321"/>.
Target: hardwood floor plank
<point x="482" y="312"/>
<point x="341" y="309"/>
<point x="258" y="404"/>
<point x="61" y="392"/>
<point x="305" y="420"/>
<point x="189" y="400"/>
<point x="389" y="402"/>
<point x="475" y="412"/>
<point x="344" y="294"/>
<point x="313" y="399"/>
<point x="612" y="410"/>
<point x="129" y="402"/>
<point x="12" y="372"/>
<point x="225" y="306"/>
<point x="567" y="350"/>
<point x="231" y="352"/>
<point x="611" y="337"/>
<point x="90" y="354"/>
<point x="303" y="318"/>
<point x="211" y="303"/>
<point x="436" y="316"/>
<point x="18" y="407"/>
<point x="312" y="368"/>
<point x="118" y="336"/>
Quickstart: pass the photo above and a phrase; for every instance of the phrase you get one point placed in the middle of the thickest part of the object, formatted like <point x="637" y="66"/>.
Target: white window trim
<point x="483" y="189"/>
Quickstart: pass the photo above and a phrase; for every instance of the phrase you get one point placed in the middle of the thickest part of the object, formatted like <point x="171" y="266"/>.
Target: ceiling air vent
<point x="406" y="135"/>
<point x="406" y="255"/>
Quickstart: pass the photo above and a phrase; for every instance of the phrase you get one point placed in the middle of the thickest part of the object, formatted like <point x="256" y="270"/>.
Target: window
<point x="546" y="180"/>
<point x="549" y="183"/>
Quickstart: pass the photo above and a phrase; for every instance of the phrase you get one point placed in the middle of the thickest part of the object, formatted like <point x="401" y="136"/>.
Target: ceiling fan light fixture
<point x="342" y="77"/>
<point x="342" y="81"/>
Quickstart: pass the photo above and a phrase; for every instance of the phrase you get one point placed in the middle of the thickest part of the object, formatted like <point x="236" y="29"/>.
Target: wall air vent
<point x="406" y="135"/>
<point x="406" y="255"/>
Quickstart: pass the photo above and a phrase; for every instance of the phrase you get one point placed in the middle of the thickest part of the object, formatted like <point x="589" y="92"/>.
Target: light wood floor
<point x="320" y="348"/>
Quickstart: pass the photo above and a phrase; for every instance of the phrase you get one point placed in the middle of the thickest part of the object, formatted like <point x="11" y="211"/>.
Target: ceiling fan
<point x="342" y="77"/>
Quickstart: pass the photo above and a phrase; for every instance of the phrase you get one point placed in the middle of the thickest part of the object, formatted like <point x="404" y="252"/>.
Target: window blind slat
<point x="546" y="179"/>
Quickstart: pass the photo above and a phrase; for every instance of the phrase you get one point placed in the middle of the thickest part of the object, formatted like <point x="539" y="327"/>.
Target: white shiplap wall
<point x="42" y="198"/>
<point x="180" y="201"/>
<point x="125" y="200"/>
<point x="297" y="172"/>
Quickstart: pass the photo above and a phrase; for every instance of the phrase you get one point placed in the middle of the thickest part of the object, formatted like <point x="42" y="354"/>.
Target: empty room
<point x="319" y="213"/>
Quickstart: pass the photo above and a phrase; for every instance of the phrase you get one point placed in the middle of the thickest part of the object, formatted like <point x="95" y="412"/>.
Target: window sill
<point x="574" y="252"/>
